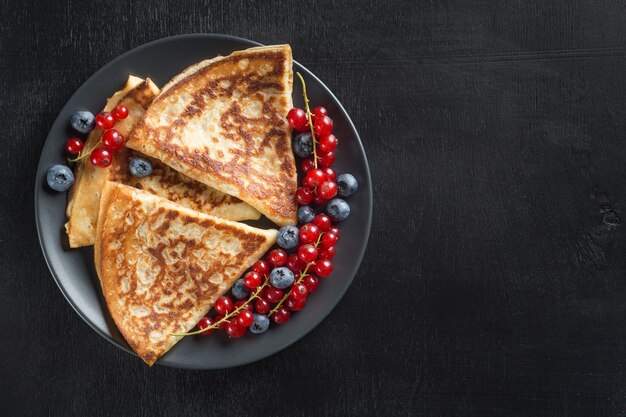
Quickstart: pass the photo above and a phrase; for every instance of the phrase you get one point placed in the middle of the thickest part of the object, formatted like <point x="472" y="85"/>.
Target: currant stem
<point x="83" y="154"/>
<point x="310" y="117"/>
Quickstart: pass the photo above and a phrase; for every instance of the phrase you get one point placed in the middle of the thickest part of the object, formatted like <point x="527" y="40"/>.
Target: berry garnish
<point x="101" y="157"/>
<point x="244" y="304"/>
<point x="327" y="190"/>
<point x="323" y="267"/>
<point x="319" y="200"/>
<point x="326" y="159"/>
<point x="234" y="330"/>
<point x="287" y="237"/>
<point x="329" y="239"/>
<point x="347" y="185"/>
<point x="273" y="294"/>
<point x="205" y="323"/>
<point x="281" y="315"/>
<point x="307" y="253"/>
<point x="105" y="120"/>
<point x="281" y="277"/>
<point x="310" y="282"/>
<point x="224" y="305"/>
<point x="277" y="257"/>
<point x="335" y="231"/>
<point x="120" y="112"/>
<point x="252" y="280"/>
<point x="139" y="167"/>
<point x="314" y="177"/>
<point x="60" y="178"/>
<point x="245" y="318"/>
<point x="309" y="233"/>
<point x="260" y="324"/>
<point x="262" y="306"/>
<point x="294" y="263"/>
<point x="239" y="290"/>
<point x="327" y="253"/>
<point x="261" y="266"/>
<point x="323" y="126"/>
<point x="83" y="121"/>
<point x="303" y="145"/>
<point x="305" y="214"/>
<point x="322" y="221"/>
<point x="304" y="195"/>
<point x="299" y="291"/>
<point x="298" y="119"/>
<point x="338" y="209"/>
<point x="73" y="146"/>
<point x="320" y="111"/>
<point x="113" y="140"/>
<point x="330" y="174"/>
<point x="295" y="304"/>
<point x="307" y="165"/>
<point x="328" y="143"/>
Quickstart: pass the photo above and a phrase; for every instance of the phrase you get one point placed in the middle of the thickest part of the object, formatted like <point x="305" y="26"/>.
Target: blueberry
<point x="83" y="121"/>
<point x="303" y="145"/>
<point x="338" y="209"/>
<point x="305" y="214"/>
<point x="346" y="185"/>
<point x="140" y="167"/>
<point x="260" y="324"/>
<point x="239" y="290"/>
<point x="281" y="277"/>
<point x="60" y="178"/>
<point x="287" y="237"/>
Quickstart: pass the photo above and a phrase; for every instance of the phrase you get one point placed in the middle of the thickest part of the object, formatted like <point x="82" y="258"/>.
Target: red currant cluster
<point x="262" y="298"/>
<point x="112" y="140"/>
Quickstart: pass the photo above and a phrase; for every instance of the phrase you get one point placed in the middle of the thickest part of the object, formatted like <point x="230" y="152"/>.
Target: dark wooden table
<point x="495" y="279"/>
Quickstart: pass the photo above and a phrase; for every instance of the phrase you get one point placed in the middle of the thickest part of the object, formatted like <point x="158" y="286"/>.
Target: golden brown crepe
<point x="162" y="266"/>
<point x="84" y="197"/>
<point x="223" y="122"/>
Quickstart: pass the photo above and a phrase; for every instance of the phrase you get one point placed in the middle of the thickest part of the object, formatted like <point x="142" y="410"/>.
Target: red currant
<point x="329" y="239"/>
<point x="326" y="159"/>
<point x="314" y="178"/>
<point x="327" y="253"/>
<point x="204" y="323"/>
<point x="295" y="304"/>
<point x="319" y="111"/>
<point x="245" y="318"/>
<point x="101" y="157"/>
<point x="105" y="120"/>
<point x="323" y="267"/>
<point x="298" y="119"/>
<point x="304" y="195"/>
<point x="294" y="263"/>
<point x="252" y="280"/>
<point x="73" y="146"/>
<point x="281" y="315"/>
<point x="223" y="324"/>
<point x="323" y="126"/>
<point x="307" y="253"/>
<point x="327" y="190"/>
<point x="247" y="306"/>
<point x="234" y="330"/>
<point x="319" y="200"/>
<point x="261" y="266"/>
<point x="120" y="112"/>
<point x="307" y="164"/>
<point x="335" y="231"/>
<point x="224" y="305"/>
<point x="113" y="140"/>
<point x="277" y="257"/>
<point x="299" y="291"/>
<point x="328" y="143"/>
<point x="274" y="295"/>
<point x="261" y="306"/>
<point x="322" y="221"/>
<point x="330" y="173"/>
<point x="309" y="233"/>
<point x="311" y="282"/>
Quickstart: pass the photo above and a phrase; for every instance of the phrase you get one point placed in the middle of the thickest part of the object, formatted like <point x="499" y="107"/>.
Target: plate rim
<point x="163" y="361"/>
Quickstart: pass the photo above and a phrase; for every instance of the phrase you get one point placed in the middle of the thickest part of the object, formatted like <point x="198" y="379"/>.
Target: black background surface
<point x="494" y="282"/>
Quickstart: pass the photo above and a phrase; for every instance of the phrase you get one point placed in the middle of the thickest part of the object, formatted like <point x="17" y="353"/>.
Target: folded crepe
<point x="84" y="197"/>
<point x="162" y="266"/>
<point x="223" y="122"/>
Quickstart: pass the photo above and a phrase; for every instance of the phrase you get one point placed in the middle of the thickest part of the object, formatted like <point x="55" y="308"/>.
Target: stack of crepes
<point x="168" y="245"/>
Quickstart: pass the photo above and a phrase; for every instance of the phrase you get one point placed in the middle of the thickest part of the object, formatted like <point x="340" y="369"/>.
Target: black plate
<point x="73" y="269"/>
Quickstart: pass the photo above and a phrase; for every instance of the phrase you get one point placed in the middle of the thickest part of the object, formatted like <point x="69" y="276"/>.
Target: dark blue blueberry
<point x="338" y="209"/>
<point x="140" y="167"/>
<point x="83" y="121"/>
<point x="287" y="237"/>
<point x="303" y="145"/>
<point x="281" y="277"/>
<point x="305" y="214"/>
<point x="346" y="185"/>
<point x="239" y="290"/>
<point x="260" y="323"/>
<point x="60" y="178"/>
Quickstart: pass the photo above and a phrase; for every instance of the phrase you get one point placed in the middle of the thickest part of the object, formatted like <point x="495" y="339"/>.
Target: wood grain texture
<point x="495" y="279"/>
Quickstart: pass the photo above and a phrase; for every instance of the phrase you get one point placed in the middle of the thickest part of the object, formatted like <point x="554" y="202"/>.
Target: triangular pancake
<point x="162" y="266"/>
<point x="223" y="122"/>
<point x="82" y="207"/>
